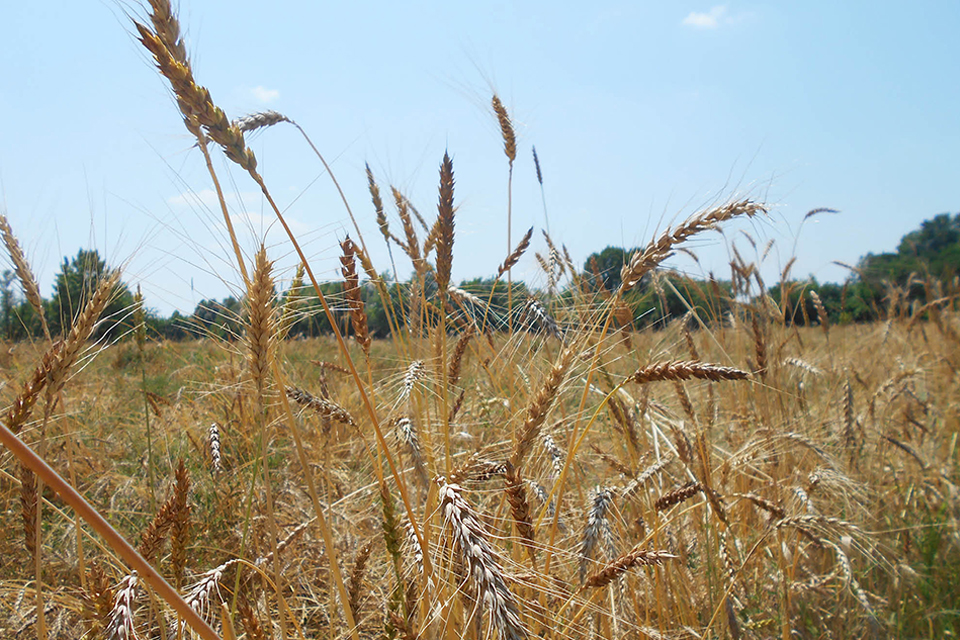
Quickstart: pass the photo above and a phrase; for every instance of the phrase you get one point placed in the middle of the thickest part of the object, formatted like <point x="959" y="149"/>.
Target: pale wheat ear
<point x="483" y="563"/>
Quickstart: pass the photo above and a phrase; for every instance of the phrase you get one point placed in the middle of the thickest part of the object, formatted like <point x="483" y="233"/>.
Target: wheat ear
<point x="644" y="261"/>
<point x="323" y="407"/>
<point x="537" y="410"/>
<point x="261" y="325"/>
<point x="515" y="255"/>
<point x="635" y="558"/>
<point x="684" y="370"/>
<point x="596" y="529"/>
<point x="351" y="290"/>
<point x="27" y="280"/>
<point x="516" y="492"/>
<point x="259" y="120"/>
<point x="80" y="331"/>
<point x="356" y="578"/>
<point x="483" y="562"/>
<point x="445" y="223"/>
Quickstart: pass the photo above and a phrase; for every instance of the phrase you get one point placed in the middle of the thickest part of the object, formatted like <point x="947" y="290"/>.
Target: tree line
<point x="878" y="282"/>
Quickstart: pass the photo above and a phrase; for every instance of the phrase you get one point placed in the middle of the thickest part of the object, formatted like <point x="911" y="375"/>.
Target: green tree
<point x="608" y="264"/>
<point x="76" y="282"/>
<point x="7" y="304"/>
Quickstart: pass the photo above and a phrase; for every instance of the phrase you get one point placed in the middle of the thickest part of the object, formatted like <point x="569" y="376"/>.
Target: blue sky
<point x="641" y="113"/>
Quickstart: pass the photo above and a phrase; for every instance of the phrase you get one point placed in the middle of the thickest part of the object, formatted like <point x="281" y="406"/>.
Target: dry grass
<point x="540" y="482"/>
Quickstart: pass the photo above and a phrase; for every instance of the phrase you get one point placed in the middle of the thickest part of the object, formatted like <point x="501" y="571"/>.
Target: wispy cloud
<point x="264" y="95"/>
<point x="710" y="20"/>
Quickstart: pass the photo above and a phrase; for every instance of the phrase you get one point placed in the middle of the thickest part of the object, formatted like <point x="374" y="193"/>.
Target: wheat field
<point x="540" y="466"/>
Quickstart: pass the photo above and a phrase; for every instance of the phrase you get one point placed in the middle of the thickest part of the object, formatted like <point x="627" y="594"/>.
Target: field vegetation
<point x="622" y="452"/>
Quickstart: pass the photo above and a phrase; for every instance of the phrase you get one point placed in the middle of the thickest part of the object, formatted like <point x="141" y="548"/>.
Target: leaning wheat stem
<point x="97" y="522"/>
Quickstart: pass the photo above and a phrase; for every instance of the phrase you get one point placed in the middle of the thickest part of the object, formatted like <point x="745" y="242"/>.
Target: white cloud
<point x="265" y="95"/>
<point x="709" y="20"/>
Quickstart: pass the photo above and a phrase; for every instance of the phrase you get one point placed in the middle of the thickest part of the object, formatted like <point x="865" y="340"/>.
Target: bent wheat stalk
<point x="118" y="543"/>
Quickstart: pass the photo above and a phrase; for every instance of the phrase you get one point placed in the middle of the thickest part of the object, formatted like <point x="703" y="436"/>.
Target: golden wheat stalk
<point x="261" y="323"/>
<point x="506" y="128"/>
<point x="61" y="487"/>
<point x="484" y="564"/>
<point x="323" y="407"/>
